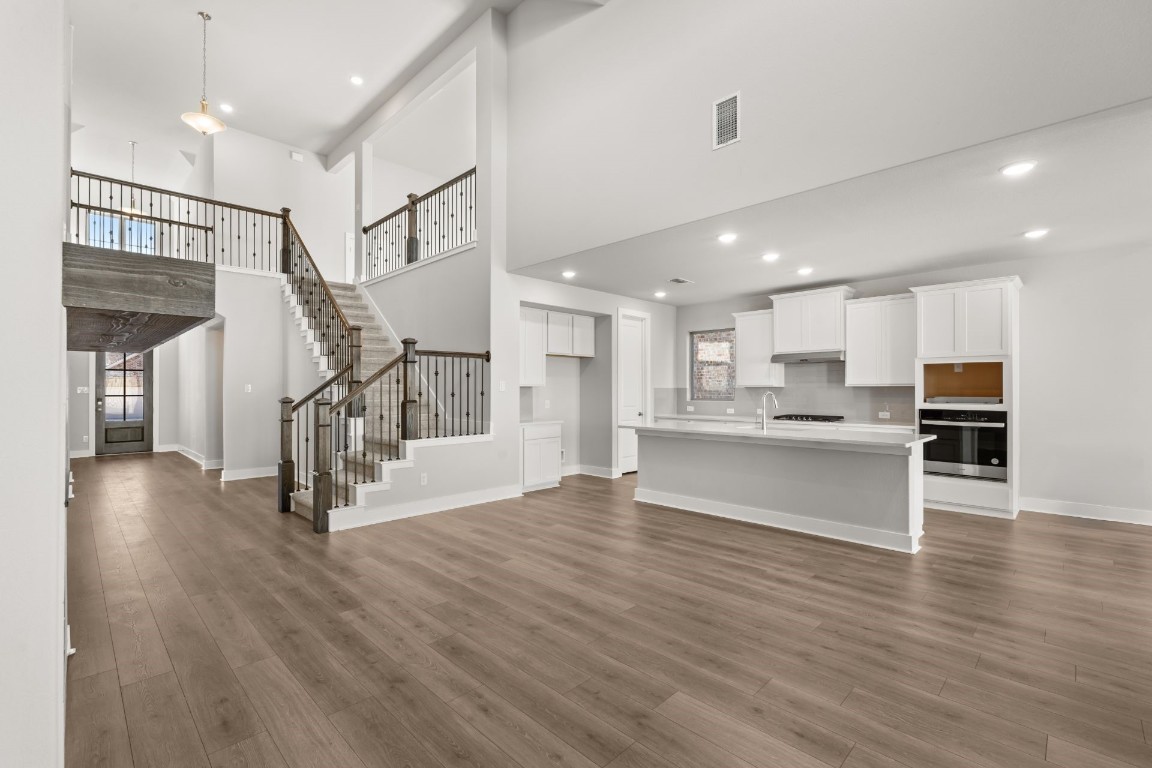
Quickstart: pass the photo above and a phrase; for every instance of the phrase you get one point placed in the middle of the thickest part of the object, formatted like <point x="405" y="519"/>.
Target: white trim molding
<point x="355" y="517"/>
<point x="421" y="263"/>
<point x="247" y="474"/>
<point x="84" y="453"/>
<point x="899" y="542"/>
<point x="1088" y="511"/>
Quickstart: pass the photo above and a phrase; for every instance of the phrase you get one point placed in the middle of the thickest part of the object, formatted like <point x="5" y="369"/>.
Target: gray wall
<point x="596" y="417"/>
<point x="79" y="370"/>
<point x="442" y="304"/>
<point x="558" y="400"/>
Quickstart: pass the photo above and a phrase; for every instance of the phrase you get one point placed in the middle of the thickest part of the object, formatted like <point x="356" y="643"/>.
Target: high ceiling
<point x="1091" y="188"/>
<point x="284" y="67"/>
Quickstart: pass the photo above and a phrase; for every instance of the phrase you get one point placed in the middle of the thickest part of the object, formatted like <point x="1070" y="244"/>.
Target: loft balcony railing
<point x="427" y="225"/>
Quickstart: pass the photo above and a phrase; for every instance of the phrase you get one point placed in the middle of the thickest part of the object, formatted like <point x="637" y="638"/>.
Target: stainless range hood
<point x="829" y="356"/>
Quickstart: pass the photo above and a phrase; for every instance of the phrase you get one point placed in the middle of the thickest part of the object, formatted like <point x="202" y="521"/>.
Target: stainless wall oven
<point x="967" y="444"/>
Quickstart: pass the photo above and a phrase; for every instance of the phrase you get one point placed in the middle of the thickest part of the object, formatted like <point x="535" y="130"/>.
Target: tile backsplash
<point x="809" y="388"/>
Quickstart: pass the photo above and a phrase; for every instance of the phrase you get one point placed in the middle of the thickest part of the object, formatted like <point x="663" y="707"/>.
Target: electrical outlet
<point x="885" y="415"/>
<point x="547" y="404"/>
<point x="247" y="387"/>
<point x="691" y="408"/>
<point x="730" y="410"/>
<point x="958" y="368"/>
<point x="503" y="386"/>
<point x="423" y="478"/>
<point x="759" y="411"/>
<point x="81" y="390"/>
<point x="85" y="439"/>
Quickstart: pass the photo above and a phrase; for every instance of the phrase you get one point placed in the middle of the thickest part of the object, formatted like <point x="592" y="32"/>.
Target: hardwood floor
<point x="574" y="627"/>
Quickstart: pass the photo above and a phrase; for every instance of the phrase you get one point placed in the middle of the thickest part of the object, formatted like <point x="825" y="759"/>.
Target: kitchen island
<point x="851" y="484"/>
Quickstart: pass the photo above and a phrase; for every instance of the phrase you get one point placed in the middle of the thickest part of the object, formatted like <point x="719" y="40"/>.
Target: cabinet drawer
<point x="540" y="431"/>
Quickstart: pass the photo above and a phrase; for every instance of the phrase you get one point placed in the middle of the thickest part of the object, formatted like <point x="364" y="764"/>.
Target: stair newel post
<point x="412" y="244"/>
<point x="285" y="242"/>
<point x="410" y="408"/>
<point x="322" y="476"/>
<point x="286" y="470"/>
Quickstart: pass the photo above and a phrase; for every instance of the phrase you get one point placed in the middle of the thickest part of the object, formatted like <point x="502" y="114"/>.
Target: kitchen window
<point x="713" y="365"/>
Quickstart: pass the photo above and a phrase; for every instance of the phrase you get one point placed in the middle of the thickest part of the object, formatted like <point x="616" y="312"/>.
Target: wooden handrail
<point x="409" y="205"/>
<point x="316" y="270"/>
<point x="314" y="393"/>
<point x="160" y="190"/>
<point x="141" y="216"/>
<point x="485" y="356"/>
<point x="363" y="386"/>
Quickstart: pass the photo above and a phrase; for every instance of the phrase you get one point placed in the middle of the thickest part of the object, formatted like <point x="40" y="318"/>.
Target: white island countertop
<point x="820" y="437"/>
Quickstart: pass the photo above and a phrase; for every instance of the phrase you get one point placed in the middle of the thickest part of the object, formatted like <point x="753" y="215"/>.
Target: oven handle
<point x="927" y="423"/>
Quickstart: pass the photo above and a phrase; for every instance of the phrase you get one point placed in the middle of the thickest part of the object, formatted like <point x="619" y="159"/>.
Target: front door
<point x="123" y="402"/>
<point x="633" y="355"/>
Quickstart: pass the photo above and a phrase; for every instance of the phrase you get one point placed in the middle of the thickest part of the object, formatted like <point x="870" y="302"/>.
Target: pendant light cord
<point x="204" y="58"/>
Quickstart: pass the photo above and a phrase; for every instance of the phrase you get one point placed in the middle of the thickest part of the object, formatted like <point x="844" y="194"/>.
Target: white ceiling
<point x="1092" y="189"/>
<point x="438" y="137"/>
<point x="284" y="67"/>
<point x="610" y="108"/>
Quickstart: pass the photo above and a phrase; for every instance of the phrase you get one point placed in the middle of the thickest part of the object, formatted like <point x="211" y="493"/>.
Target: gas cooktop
<point x="806" y="417"/>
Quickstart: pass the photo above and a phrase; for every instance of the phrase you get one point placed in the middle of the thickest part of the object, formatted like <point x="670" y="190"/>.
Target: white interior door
<point x="631" y="386"/>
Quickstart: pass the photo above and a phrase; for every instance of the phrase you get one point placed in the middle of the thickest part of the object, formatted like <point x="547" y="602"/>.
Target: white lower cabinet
<point x="540" y="462"/>
<point x="880" y="343"/>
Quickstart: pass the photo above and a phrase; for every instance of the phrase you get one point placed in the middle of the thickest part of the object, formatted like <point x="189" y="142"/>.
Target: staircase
<point x="377" y="349"/>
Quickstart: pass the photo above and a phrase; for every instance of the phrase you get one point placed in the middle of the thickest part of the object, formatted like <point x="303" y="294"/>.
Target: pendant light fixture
<point x="132" y="193"/>
<point x="202" y="121"/>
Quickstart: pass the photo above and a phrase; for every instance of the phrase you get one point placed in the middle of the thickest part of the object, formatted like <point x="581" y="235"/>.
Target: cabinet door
<point x="754" y="348"/>
<point x="532" y="341"/>
<point x="937" y="313"/>
<point x="533" y="463"/>
<point x="583" y="336"/>
<point x="549" y="459"/>
<point x="864" y="353"/>
<point x="559" y="333"/>
<point x="823" y="321"/>
<point x="899" y="369"/>
<point x="788" y="324"/>
<point x="986" y="321"/>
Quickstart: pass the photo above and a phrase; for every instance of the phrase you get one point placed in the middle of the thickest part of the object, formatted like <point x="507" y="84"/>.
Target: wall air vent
<point x="726" y="121"/>
<point x="680" y="281"/>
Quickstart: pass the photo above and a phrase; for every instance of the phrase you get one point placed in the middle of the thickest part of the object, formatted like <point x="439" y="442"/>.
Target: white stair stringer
<point x="361" y="312"/>
<point x="307" y="333"/>
<point x="369" y="502"/>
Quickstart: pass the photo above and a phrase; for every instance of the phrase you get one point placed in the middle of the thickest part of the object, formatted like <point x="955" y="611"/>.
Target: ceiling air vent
<point x="680" y="280"/>
<point x="726" y="121"/>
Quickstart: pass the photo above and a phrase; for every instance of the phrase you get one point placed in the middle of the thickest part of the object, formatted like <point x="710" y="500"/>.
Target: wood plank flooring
<point x="574" y="627"/>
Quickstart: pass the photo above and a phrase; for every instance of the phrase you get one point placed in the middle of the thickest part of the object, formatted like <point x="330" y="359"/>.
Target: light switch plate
<point x="81" y="390"/>
<point x="885" y="415"/>
<point x="730" y="410"/>
<point x="691" y="408"/>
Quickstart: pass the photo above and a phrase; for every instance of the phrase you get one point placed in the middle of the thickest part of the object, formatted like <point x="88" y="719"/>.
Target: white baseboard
<point x="213" y="464"/>
<point x="588" y="469"/>
<point x="1089" y="511"/>
<point x="81" y="454"/>
<point x="166" y="448"/>
<point x="842" y="531"/>
<point x="247" y="474"/>
<point x="356" y="517"/>
<point x="572" y="469"/>
<point x="191" y="454"/>
<point x="1004" y="514"/>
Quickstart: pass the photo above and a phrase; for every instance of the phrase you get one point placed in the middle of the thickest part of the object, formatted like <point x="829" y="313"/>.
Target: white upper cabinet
<point x="533" y="345"/>
<point x="881" y="342"/>
<point x="754" y="349"/>
<point x="583" y="336"/>
<point x="810" y="321"/>
<point x="972" y="319"/>
<point x="559" y="333"/>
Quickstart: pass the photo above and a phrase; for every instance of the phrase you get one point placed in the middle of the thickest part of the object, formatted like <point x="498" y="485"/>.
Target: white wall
<point x="1084" y="370"/>
<point x="559" y="400"/>
<point x="105" y="151"/>
<point x="391" y="183"/>
<point x="254" y="171"/>
<point x="34" y="58"/>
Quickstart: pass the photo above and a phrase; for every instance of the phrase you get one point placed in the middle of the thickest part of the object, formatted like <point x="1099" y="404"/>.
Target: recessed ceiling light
<point x="1035" y="234"/>
<point x="727" y="237"/>
<point x="225" y="107"/>
<point x="356" y="80"/>
<point x="660" y="294"/>
<point x="770" y="256"/>
<point x="805" y="271"/>
<point x="1019" y="168"/>
<point x="568" y="274"/>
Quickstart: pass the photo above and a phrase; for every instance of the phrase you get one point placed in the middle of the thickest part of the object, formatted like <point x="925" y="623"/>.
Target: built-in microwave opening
<point x="964" y="383"/>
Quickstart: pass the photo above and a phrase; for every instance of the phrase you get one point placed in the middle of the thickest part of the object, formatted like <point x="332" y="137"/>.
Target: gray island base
<point x="852" y="485"/>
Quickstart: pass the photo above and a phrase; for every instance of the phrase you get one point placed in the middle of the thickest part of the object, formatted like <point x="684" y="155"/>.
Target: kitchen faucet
<point x="764" y="407"/>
